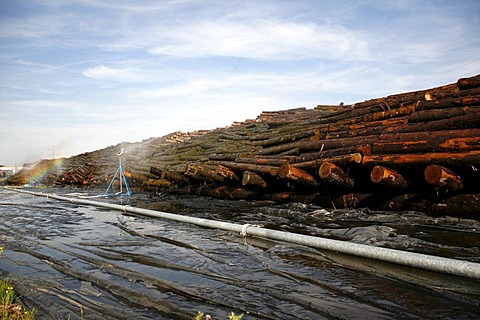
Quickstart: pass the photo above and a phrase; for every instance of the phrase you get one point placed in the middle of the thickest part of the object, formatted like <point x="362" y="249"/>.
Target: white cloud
<point x="262" y="39"/>
<point x="114" y="74"/>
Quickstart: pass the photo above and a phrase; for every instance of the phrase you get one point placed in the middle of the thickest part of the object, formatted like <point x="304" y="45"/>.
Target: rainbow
<point x="42" y="168"/>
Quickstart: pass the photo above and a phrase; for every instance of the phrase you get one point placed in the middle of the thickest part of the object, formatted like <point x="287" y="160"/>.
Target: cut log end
<point x="441" y="176"/>
<point x="388" y="177"/>
<point x="377" y="174"/>
<point x="252" y="178"/>
<point x="335" y="174"/>
<point x="325" y="170"/>
<point x="287" y="171"/>
<point x="433" y="173"/>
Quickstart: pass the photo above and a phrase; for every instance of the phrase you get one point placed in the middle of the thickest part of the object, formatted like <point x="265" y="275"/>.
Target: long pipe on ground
<point x="417" y="260"/>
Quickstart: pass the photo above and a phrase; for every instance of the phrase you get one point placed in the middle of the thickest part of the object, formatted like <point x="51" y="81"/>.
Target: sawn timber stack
<point x="410" y="151"/>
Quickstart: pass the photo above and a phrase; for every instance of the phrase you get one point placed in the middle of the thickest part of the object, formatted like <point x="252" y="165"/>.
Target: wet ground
<point x="78" y="262"/>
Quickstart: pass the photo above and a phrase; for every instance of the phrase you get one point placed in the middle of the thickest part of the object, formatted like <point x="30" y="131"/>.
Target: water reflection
<point x="87" y="263"/>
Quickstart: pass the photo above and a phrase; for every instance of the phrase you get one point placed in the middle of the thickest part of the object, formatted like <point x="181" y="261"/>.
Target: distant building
<point x="7" y="171"/>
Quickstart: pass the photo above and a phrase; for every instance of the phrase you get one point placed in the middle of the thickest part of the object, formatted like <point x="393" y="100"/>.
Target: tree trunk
<point x="387" y="177"/>
<point x="441" y="176"/>
<point x="290" y="172"/>
<point x="254" y="179"/>
<point x="333" y="173"/>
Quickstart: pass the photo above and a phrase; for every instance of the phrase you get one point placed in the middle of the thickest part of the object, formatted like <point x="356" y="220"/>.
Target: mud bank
<point x="88" y="263"/>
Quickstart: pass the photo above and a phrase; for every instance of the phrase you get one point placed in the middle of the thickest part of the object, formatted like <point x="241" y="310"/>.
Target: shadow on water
<point x="78" y="262"/>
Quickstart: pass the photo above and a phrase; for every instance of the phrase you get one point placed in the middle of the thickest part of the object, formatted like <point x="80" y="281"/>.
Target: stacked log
<point x="80" y="175"/>
<point x="393" y="152"/>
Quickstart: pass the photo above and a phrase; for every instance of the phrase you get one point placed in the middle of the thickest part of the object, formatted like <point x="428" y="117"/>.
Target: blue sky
<point x="82" y="75"/>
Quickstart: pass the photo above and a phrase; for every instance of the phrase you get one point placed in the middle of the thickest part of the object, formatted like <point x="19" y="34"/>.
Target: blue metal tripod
<point x="122" y="180"/>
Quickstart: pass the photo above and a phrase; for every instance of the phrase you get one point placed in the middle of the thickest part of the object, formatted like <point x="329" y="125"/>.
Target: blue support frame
<point x="122" y="179"/>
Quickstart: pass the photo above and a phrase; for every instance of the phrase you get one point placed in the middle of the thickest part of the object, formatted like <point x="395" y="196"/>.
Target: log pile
<point x="411" y="151"/>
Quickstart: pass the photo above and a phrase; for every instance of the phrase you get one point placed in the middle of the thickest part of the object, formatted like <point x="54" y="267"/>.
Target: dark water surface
<point x="79" y="262"/>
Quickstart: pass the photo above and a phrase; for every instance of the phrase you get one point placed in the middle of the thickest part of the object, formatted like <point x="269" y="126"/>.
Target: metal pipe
<point x="417" y="260"/>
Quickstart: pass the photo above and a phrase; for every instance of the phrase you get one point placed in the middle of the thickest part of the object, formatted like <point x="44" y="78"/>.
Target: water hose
<point x="411" y="259"/>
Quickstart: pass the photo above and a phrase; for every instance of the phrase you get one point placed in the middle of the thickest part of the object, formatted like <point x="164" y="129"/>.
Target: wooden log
<point x="471" y="101"/>
<point x="272" y="161"/>
<point x="462" y="205"/>
<point x="280" y="148"/>
<point x="388" y="177"/>
<point x="455" y="92"/>
<point x="272" y="170"/>
<point x="468" y="83"/>
<point x="285" y="138"/>
<point x="227" y="173"/>
<point x="427" y="141"/>
<point x="422" y="146"/>
<point x="443" y="177"/>
<point x="341" y="159"/>
<point x="136" y="176"/>
<point x="225" y="192"/>
<point x="437" y="114"/>
<point x="334" y="174"/>
<point x="439" y="104"/>
<point x="395" y="160"/>
<point x="174" y="176"/>
<point x="161" y="183"/>
<point x="224" y="156"/>
<point x="253" y="179"/>
<point x="287" y="171"/>
<point x="156" y="171"/>
<point x="203" y="172"/>
<point x="328" y="144"/>
<point x="379" y="115"/>
<point x="471" y="119"/>
<point x="327" y="154"/>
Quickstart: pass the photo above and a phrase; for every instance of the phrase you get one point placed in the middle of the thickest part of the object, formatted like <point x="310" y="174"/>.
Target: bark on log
<point x="225" y="172"/>
<point x="333" y="173"/>
<point x="272" y="170"/>
<point x="272" y="161"/>
<point x="280" y="148"/>
<point x="463" y="205"/>
<point x="438" y="94"/>
<point x="341" y="160"/>
<point x="169" y="175"/>
<point x="328" y="144"/>
<point x="439" y="104"/>
<point x="388" y="177"/>
<point x="161" y="183"/>
<point x="253" y="179"/>
<point x="395" y="160"/>
<point x="156" y="171"/>
<point x="174" y="176"/>
<point x="288" y="137"/>
<point x="287" y="171"/>
<point x="437" y="114"/>
<point x="443" y="177"/>
<point x="203" y="172"/>
<point x="225" y="192"/>
<point x="468" y="83"/>
<point x="417" y="142"/>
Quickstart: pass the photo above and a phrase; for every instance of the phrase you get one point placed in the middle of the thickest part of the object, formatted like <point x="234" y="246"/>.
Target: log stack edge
<point x="410" y="151"/>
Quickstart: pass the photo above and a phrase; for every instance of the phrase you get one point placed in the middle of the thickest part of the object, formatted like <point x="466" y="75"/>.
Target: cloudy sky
<point x="82" y="75"/>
